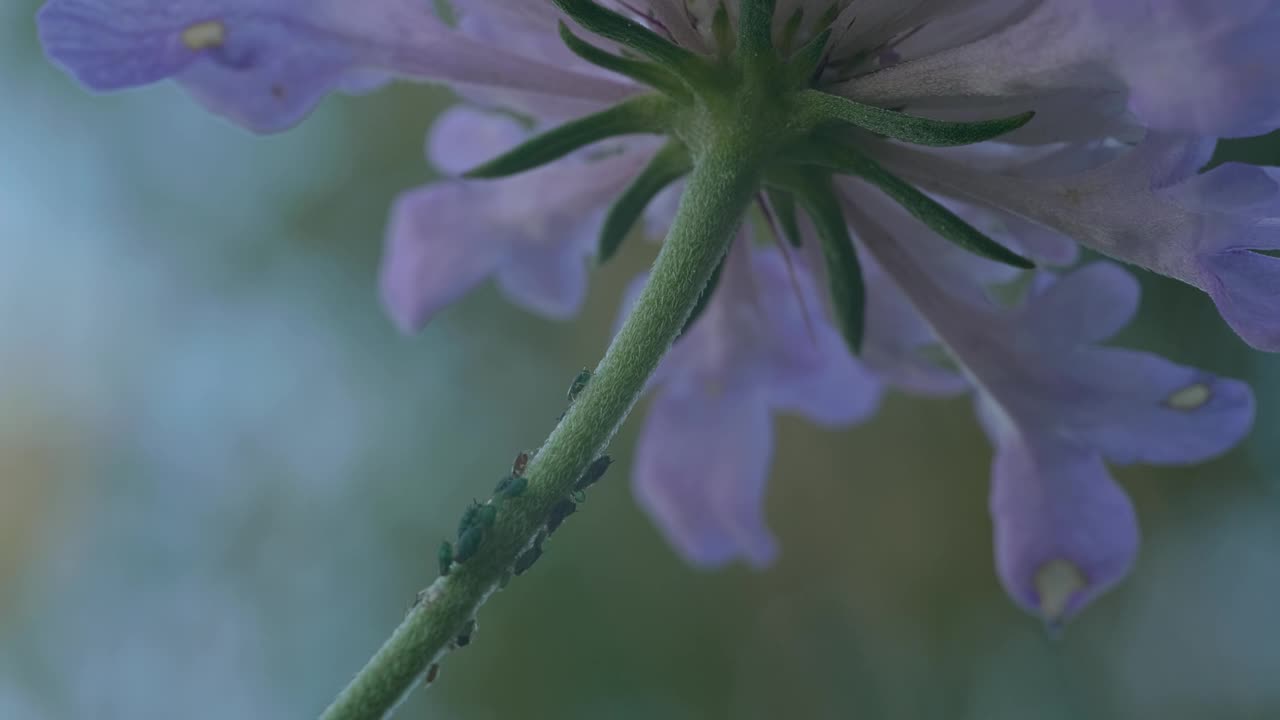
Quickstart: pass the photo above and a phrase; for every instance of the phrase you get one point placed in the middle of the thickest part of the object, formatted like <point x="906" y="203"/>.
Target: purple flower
<point x="1129" y="97"/>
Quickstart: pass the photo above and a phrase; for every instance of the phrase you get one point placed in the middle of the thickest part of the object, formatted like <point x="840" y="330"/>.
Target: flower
<point x="1128" y="97"/>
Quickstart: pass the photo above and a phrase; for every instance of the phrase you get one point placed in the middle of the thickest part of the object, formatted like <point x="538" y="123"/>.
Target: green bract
<point x="759" y="98"/>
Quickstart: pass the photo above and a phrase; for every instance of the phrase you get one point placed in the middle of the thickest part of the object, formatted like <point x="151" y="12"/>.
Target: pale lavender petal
<point x="811" y="370"/>
<point x="533" y="229"/>
<point x="1149" y="208"/>
<point x="551" y="281"/>
<point x="1131" y="406"/>
<point x="702" y="464"/>
<point x="1180" y="65"/>
<point x="1138" y="407"/>
<point x="1065" y="532"/>
<point x="437" y="251"/>
<point x="266" y="65"/>
<point x="462" y="138"/>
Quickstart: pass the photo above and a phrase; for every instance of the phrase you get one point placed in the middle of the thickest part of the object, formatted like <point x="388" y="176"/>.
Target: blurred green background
<point x="223" y="475"/>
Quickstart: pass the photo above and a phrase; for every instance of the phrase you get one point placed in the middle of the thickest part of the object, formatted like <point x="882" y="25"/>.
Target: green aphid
<point x="517" y="487"/>
<point x="579" y="384"/>
<point x="485" y="516"/>
<point x="559" y="512"/>
<point x="464" y="637"/>
<point x="593" y="473"/>
<point x="468" y="518"/>
<point x="468" y="544"/>
<point x="446" y="557"/>
<point x="511" y="486"/>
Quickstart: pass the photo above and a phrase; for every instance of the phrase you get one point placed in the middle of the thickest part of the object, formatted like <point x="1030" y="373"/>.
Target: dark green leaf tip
<point x="642" y="115"/>
<point x="655" y="76"/>
<point x="667" y="166"/>
<point x="616" y="27"/>
<point x="825" y="109"/>
<point x="845" y="283"/>
<point x="924" y="208"/>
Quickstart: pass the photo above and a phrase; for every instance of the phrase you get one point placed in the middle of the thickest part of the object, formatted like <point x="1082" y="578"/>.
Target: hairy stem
<point x="719" y="190"/>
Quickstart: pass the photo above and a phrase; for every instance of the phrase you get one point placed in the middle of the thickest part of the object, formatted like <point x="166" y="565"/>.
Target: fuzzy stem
<point x="719" y="190"/>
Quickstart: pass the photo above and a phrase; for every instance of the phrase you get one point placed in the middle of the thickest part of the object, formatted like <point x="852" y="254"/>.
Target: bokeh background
<point x="223" y="475"/>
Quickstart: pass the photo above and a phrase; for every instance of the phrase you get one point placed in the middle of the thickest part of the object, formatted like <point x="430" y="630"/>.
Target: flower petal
<point x="702" y="464"/>
<point x="437" y="251"/>
<point x="1150" y="209"/>
<point x="1180" y="65"/>
<point x="265" y="65"/>
<point x="551" y="282"/>
<point x="1065" y="532"/>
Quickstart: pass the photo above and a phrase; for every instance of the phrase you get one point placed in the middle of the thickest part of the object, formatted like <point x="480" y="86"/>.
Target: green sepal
<point x="783" y="205"/>
<point x="644" y="114"/>
<point x="705" y="298"/>
<point x="646" y="73"/>
<point x="668" y="165"/>
<point x="623" y="30"/>
<point x="822" y="108"/>
<point x="790" y="30"/>
<point x="925" y="209"/>
<point x="722" y="31"/>
<point x="755" y="27"/>
<point x="845" y="283"/>
<point x="807" y="61"/>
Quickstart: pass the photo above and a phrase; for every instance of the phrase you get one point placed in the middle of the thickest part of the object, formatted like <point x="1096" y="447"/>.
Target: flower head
<point x="869" y="125"/>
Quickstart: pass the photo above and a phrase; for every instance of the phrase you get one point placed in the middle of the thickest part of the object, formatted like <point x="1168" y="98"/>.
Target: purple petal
<point x="1149" y="208"/>
<point x="435" y="252"/>
<point x="265" y="65"/>
<point x="701" y="469"/>
<point x="1139" y="407"/>
<point x="1065" y="532"/>
<point x="462" y="138"/>
<point x="533" y="230"/>
<point x="551" y="282"/>
<point x="1179" y="65"/>
<point x="1246" y="289"/>
<point x="812" y="372"/>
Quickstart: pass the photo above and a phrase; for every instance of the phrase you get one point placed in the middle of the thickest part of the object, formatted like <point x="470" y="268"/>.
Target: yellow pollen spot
<point x="1192" y="397"/>
<point x="205" y="35"/>
<point x="1057" y="581"/>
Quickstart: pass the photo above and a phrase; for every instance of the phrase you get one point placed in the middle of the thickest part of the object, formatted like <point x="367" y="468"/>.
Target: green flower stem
<point x="719" y="190"/>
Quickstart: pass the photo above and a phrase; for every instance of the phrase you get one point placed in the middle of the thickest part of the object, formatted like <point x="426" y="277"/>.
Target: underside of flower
<point x="859" y="132"/>
<point x="759" y="86"/>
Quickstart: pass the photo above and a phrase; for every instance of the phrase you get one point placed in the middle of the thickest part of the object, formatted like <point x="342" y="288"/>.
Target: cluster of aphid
<point x="478" y="519"/>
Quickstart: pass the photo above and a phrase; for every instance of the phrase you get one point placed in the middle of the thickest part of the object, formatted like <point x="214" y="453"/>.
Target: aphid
<point x="559" y="512"/>
<point x="464" y="637"/>
<point x="521" y="462"/>
<point x="593" y="473"/>
<point x="468" y="544"/>
<point x="445" y="555"/>
<point x="433" y="672"/>
<point x="516" y="487"/>
<point x="468" y="518"/>
<point x="579" y="384"/>
<point x="485" y="516"/>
